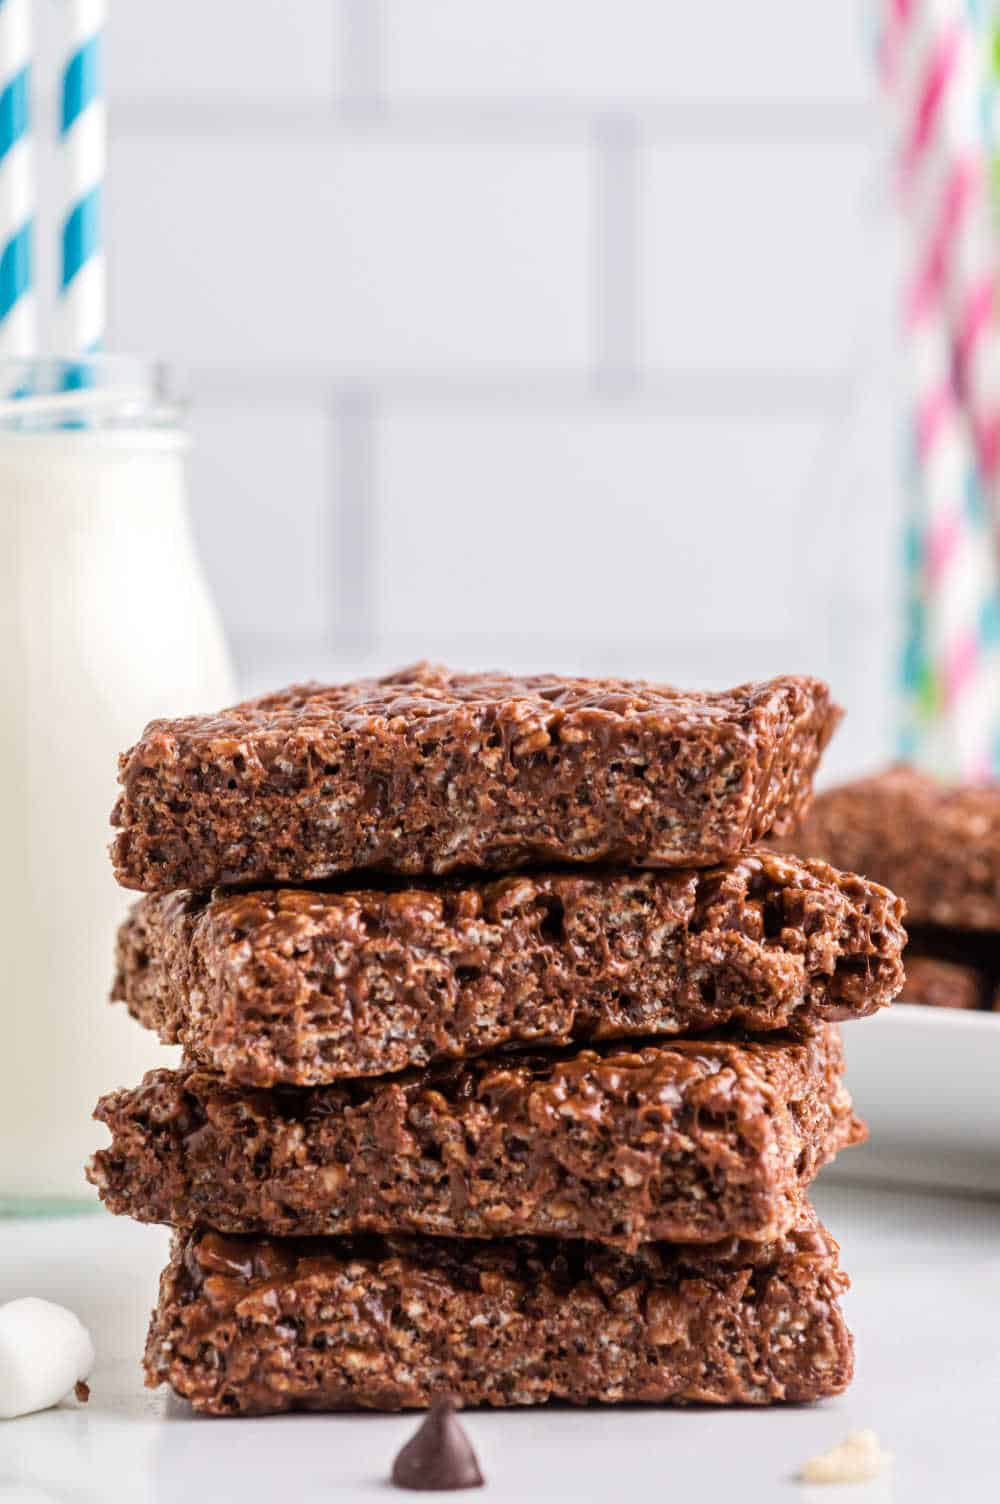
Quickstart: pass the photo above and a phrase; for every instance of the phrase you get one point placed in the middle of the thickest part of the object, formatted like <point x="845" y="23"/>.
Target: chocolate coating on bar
<point x="439" y="1455"/>
<point x="936" y="845"/>
<point x="303" y="987"/>
<point x="253" y="1327"/>
<point x="694" y="1142"/>
<point x="427" y="771"/>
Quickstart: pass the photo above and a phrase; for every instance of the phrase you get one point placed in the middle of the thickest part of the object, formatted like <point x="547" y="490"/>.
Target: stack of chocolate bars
<point x="508" y="1059"/>
<point x="938" y="846"/>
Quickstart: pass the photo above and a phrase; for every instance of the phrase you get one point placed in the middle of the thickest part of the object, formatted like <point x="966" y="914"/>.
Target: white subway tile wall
<point x="656" y="50"/>
<point x="256" y="50"/>
<point x="266" y="524"/>
<point x="362" y="255"/>
<point x="604" y="526"/>
<point x="766" y="248"/>
<point x="550" y="333"/>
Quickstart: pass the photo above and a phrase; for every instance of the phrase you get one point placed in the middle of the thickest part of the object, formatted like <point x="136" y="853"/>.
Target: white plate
<point x="928" y="1082"/>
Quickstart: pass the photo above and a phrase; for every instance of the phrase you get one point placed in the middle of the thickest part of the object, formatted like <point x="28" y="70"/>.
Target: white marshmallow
<point x="44" y="1350"/>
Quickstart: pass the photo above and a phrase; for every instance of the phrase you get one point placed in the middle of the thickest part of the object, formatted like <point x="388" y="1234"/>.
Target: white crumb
<point x="856" y="1459"/>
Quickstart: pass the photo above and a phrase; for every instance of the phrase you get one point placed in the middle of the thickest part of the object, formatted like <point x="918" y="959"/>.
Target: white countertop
<point x="925" y="1309"/>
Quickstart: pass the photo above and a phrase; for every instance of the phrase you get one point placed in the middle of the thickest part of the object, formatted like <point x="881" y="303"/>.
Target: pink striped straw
<point x="932" y="60"/>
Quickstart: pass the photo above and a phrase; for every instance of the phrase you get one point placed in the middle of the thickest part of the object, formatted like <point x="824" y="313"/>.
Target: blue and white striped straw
<point x="17" y="185"/>
<point x="83" y="140"/>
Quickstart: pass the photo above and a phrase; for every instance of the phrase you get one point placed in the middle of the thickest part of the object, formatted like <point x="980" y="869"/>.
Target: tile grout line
<point x="616" y="282"/>
<point x="361" y="98"/>
<point x="352" y="425"/>
<point x="679" y="392"/>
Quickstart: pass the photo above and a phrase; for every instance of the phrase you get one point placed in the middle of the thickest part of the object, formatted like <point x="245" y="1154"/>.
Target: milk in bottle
<point x="106" y="622"/>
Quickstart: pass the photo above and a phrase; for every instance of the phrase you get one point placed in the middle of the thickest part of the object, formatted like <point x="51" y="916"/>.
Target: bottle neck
<point x="94" y="394"/>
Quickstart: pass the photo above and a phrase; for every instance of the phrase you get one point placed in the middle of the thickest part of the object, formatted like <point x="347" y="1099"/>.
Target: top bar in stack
<point x="427" y="771"/>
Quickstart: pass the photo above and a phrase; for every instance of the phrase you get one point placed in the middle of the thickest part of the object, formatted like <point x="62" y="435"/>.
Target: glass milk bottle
<point x="106" y="623"/>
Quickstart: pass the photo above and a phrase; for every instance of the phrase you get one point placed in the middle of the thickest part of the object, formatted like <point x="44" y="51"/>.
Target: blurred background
<point x="523" y="334"/>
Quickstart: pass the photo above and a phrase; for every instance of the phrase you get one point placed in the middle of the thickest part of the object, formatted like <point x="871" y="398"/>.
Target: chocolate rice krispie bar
<point x="935" y="983"/>
<point x="302" y="987"/>
<point x="251" y="1327"/>
<point x="937" y="846"/>
<point x="951" y="968"/>
<point x="427" y="771"/>
<point x="691" y="1142"/>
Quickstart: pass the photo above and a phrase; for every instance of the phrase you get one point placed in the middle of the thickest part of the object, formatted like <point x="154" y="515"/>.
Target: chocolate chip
<point x="439" y="1455"/>
<point x="82" y="1391"/>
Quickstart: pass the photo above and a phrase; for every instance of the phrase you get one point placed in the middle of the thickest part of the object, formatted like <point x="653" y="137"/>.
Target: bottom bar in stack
<point x="253" y="1326"/>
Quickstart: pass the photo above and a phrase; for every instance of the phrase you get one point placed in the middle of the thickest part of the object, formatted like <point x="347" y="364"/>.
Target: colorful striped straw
<point x="17" y="197"/>
<point x="935" y="61"/>
<point x="83" y="139"/>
